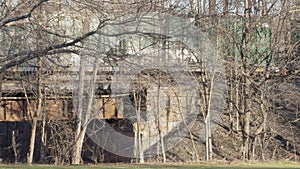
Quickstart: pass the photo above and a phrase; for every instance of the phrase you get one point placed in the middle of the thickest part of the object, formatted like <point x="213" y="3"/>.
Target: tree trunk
<point x="247" y="83"/>
<point x="14" y="145"/>
<point x="208" y="139"/>
<point x="138" y="102"/>
<point x="78" y="147"/>
<point x="36" y="115"/>
<point x="78" y="136"/>
<point x="43" y="134"/>
<point x="161" y="139"/>
<point x="32" y="140"/>
<point x="84" y="118"/>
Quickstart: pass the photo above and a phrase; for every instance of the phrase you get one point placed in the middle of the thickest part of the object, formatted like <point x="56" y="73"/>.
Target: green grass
<point x="160" y="166"/>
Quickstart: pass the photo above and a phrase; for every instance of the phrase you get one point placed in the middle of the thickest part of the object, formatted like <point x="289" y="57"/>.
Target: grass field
<point x="166" y="166"/>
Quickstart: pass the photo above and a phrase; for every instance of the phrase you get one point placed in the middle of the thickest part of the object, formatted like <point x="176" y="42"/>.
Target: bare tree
<point x="259" y="41"/>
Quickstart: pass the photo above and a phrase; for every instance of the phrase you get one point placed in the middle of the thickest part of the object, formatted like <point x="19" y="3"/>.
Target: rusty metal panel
<point x="109" y="108"/>
<point x="13" y="110"/>
<point x="54" y="110"/>
<point x="60" y="109"/>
